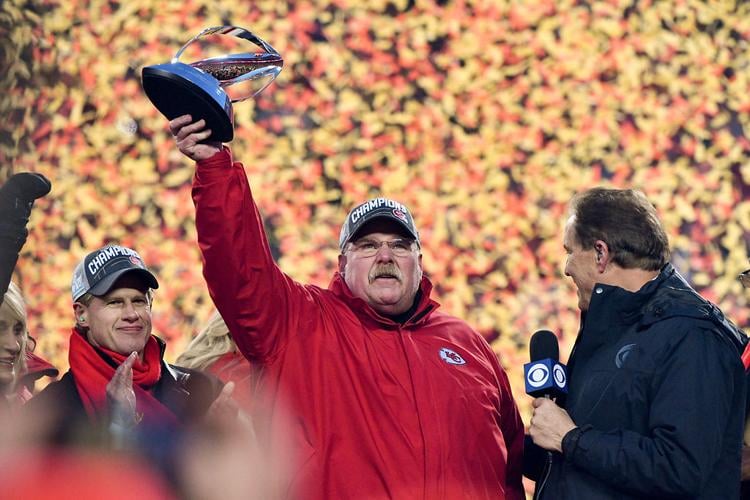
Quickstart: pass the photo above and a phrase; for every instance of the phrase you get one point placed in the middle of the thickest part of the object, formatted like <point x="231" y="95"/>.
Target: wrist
<point x="221" y="158"/>
<point x="570" y="441"/>
<point x="123" y="414"/>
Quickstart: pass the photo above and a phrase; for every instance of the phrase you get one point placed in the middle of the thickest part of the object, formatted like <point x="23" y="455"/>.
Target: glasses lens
<point x="368" y="248"/>
<point x="744" y="278"/>
<point x="400" y="248"/>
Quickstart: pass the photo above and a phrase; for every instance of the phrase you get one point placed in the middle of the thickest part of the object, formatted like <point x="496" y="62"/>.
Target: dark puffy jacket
<point x="657" y="386"/>
<point x="187" y="393"/>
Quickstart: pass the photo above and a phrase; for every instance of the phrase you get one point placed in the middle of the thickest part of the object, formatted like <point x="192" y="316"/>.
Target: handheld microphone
<point x="545" y="376"/>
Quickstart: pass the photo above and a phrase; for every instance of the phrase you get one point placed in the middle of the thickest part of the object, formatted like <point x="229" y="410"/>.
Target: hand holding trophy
<point x="200" y="88"/>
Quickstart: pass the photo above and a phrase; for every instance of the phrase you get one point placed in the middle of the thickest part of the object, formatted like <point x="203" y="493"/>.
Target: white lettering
<point x="108" y="253"/>
<point x="366" y="207"/>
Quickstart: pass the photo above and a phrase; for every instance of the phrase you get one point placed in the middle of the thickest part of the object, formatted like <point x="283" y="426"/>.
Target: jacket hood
<point x="667" y="296"/>
<point x="676" y="298"/>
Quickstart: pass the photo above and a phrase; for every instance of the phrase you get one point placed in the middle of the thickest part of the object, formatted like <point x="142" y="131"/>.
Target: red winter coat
<point x="375" y="409"/>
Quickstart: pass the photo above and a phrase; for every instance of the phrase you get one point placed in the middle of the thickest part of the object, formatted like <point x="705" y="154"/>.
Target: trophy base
<point x="178" y="89"/>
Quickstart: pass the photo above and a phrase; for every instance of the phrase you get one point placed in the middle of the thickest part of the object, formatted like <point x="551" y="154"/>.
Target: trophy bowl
<point x="200" y="89"/>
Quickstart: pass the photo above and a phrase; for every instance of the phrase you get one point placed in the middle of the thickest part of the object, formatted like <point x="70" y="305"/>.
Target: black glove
<point x="17" y="197"/>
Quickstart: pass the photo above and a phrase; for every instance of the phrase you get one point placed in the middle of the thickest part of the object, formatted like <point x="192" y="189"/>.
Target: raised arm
<point x="259" y="303"/>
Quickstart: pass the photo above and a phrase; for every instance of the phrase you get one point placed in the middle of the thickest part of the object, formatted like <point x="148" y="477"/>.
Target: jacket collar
<point x="611" y="311"/>
<point x="610" y="302"/>
<point x="424" y="308"/>
<point x="666" y="296"/>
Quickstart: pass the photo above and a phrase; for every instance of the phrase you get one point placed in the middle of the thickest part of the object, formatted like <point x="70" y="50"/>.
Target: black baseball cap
<point x="377" y="208"/>
<point x="99" y="270"/>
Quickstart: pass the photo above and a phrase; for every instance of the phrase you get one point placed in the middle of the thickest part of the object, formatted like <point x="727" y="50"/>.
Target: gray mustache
<point x="389" y="270"/>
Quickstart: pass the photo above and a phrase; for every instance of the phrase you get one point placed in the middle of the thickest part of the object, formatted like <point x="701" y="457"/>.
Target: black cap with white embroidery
<point x="99" y="270"/>
<point x="377" y="208"/>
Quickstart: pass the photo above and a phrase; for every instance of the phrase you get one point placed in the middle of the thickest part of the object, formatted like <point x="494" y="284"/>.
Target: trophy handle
<point x="267" y="72"/>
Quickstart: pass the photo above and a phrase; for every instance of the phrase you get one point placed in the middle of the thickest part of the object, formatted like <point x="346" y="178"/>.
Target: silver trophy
<point x="200" y="88"/>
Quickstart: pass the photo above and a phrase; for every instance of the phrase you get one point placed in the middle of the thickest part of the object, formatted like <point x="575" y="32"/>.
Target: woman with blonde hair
<point x="19" y="366"/>
<point x="213" y="351"/>
<point x="13" y="339"/>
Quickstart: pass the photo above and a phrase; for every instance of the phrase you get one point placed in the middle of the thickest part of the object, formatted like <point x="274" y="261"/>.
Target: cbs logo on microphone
<point x="545" y="377"/>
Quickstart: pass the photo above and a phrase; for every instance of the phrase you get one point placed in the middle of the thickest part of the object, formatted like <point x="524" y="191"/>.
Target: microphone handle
<point x="547" y="466"/>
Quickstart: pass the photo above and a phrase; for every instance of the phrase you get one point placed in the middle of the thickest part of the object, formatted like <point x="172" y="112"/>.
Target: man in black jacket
<point x="118" y="378"/>
<point x="656" y="386"/>
<point x="744" y="278"/>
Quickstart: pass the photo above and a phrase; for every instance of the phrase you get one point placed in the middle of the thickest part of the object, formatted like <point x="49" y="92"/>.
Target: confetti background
<point x="484" y="117"/>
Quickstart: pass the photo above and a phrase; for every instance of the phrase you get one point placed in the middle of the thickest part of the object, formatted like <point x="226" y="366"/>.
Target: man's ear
<point x="79" y="312"/>
<point x="602" y="254"/>
<point x="342" y="263"/>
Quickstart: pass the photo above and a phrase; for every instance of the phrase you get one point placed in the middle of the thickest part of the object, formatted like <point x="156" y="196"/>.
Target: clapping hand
<point x="121" y="396"/>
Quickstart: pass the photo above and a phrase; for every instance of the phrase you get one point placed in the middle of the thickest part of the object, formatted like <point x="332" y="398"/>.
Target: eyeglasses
<point x="368" y="248"/>
<point x="744" y="278"/>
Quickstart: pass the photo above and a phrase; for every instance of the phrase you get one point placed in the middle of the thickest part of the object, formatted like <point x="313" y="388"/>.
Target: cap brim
<point x="105" y="285"/>
<point x="386" y="217"/>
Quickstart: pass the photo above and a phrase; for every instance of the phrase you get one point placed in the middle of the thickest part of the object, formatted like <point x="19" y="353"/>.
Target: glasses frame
<point x="355" y="246"/>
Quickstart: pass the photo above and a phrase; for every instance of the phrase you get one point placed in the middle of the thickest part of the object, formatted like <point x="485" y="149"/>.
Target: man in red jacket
<point x="387" y="397"/>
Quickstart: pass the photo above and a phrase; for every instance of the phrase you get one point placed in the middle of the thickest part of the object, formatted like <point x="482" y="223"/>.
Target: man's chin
<point x="389" y="311"/>
<point x="388" y="306"/>
<point x="126" y="348"/>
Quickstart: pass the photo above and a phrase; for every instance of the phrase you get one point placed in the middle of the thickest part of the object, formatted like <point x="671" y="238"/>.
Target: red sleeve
<point x="512" y="428"/>
<point x="258" y="302"/>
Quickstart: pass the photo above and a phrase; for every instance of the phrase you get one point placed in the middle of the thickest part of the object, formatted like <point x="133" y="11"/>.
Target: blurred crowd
<point x="483" y="116"/>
